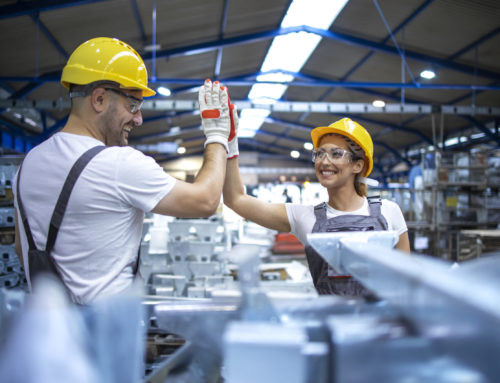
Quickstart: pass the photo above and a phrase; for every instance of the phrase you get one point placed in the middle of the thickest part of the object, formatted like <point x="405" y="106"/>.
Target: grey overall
<point x="325" y="278"/>
<point x="40" y="261"/>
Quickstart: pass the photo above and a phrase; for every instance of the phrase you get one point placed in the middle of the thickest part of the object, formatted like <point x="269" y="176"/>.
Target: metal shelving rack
<point x="11" y="271"/>
<point x="457" y="182"/>
<point x="454" y="194"/>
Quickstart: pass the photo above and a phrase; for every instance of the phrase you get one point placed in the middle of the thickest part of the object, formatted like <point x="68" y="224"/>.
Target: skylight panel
<point x="315" y="13"/>
<point x="250" y="121"/>
<point x="289" y="53"/>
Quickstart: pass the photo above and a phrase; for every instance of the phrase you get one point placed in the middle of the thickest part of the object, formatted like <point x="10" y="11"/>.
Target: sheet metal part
<point x="204" y="323"/>
<point x="455" y="310"/>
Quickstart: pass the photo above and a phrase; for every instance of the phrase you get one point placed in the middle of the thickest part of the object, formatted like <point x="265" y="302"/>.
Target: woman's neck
<point x="344" y="200"/>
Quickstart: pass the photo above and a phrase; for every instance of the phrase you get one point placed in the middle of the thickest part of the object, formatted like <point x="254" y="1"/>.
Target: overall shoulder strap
<point x="320" y="211"/>
<point x="62" y="202"/>
<point x="374" y="204"/>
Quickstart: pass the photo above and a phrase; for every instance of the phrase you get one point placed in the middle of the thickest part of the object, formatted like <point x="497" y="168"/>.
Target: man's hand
<point x="214" y="111"/>
<point x="233" y="136"/>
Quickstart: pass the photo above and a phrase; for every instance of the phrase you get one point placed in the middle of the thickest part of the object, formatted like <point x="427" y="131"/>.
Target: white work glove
<point x="233" y="135"/>
<point x="214" y="112"/>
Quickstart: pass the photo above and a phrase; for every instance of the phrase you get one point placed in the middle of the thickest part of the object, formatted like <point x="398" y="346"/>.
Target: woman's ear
<point x="358" y="166"/>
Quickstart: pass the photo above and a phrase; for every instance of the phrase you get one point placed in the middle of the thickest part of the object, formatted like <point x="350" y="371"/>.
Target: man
<point x="96" y="250"/>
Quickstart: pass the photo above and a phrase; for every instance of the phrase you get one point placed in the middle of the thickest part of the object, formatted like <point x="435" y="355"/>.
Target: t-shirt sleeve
<point x="394" y="216"/>
<point x="140" y="181"/>
<point x="301" y="218"/>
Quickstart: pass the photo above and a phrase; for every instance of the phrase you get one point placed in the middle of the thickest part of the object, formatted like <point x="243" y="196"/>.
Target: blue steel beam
<point x="375" y="142"/>
<point x="403" y="24"/>
<point x="14" y="129"/>
<point x="393" y="151"/>
<point x="6" y="87"/>
<point x="28" y="8"/>
<point x="168" y="115"/>
<point x="474" y="44"/>
<point x="318" y="83"/>
<point x="54" y="128"/>
<point x="366" y="57"/>
<point x="137" y="16"/>
<point x="159" y="135"/>
<point x="244" y="144"/>
<point x="479" y="125"/>
<point x="25" y="90"/>
<point x="465" y="145"/>
<point x="337" y="36"/>
<point x="445" y="63"/>
<point x="218" y="60"/>
<point x="36" y="18"/>
<point x="321" y="83"/>
<point x="391" y="127"/>
<point x="43" y="117"/>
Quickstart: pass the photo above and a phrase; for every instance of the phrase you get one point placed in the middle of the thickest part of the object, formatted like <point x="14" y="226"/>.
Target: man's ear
<point x="99" y="99"/>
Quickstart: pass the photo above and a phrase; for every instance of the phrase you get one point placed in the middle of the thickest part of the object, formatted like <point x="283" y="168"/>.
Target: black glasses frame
<point x="136" y="103"/>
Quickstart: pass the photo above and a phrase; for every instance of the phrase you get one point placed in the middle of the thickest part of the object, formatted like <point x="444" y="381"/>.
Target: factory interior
<point x="222" y="298"/>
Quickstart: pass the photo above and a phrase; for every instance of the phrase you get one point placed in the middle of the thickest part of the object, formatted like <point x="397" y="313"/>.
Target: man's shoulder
<point x="126" y="154"/>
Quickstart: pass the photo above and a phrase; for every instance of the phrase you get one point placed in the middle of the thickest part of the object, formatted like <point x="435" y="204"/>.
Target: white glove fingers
<point x="215" y="95"/>
<point x="208" y="94"/>
<point x="201" y="98"/>
<point x="235" y="116"/>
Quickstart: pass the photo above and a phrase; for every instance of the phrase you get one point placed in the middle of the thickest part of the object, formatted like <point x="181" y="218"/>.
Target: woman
<point x="343" y="157"/>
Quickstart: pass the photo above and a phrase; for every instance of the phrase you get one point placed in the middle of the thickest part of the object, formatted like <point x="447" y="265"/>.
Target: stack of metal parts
<point x="433" y="323"/>
<point x="476" y="243"/>
<point x="11" y="271"/>
<point x="192" y="265"/>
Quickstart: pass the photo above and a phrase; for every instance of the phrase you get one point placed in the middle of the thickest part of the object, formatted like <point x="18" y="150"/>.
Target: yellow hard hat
<point x="104" y="58"/>
<point x="352" y="130"/>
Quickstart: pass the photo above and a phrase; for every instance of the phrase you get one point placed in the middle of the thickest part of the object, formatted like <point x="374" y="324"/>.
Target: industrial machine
<point x="434" y="322"/>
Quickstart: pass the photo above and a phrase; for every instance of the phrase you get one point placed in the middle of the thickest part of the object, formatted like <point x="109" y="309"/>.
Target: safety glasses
<point x="334" y="155"/>
<point x="135" y="103"/>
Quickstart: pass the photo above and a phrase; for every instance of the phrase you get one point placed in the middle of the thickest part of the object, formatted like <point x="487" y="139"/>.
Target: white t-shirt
<point x="302" y="218"/>
<point x="97" y="245"/>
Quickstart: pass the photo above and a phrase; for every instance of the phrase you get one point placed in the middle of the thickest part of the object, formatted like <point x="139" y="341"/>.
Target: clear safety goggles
<point x="334" y="155"/>
<point x="135" y="103"/>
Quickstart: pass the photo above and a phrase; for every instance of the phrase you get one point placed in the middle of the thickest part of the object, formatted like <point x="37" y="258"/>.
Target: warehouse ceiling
<point x="374" y="50"/>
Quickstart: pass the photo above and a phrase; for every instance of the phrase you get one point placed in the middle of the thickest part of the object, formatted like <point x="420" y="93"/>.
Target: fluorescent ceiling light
<point x="378" y="103"/>
<point x="308" y="146"/>
<point x="151" y="48"/>
<point x="290" y="53"/>
<point x="477" y="135"/>
<point x="451" y="141"/>
<point x="428" y="74"/>
<point x="164" y="91"/>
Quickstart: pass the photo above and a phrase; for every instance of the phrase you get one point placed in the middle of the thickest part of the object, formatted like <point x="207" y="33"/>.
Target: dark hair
<point x="77" y="90"/>
<point x="360" y="187"/>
